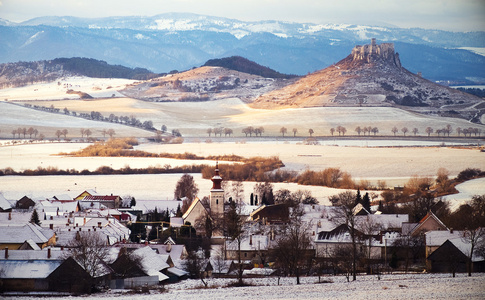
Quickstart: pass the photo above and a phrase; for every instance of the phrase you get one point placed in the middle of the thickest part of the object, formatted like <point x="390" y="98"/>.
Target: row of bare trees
<point x="30" y="131"/>
<point x="446" y="131"/>
<point x="219" y="131"/>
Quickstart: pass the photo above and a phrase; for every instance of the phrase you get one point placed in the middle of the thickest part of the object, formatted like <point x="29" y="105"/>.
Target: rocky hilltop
<point x="372" y="75"/>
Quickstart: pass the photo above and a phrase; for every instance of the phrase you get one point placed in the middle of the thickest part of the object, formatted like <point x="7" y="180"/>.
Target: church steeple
<point x="216" y="179"/>
<point x="217" y="193"/>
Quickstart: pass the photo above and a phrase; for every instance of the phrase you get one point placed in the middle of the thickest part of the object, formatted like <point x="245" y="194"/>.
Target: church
<point x="197" y="210"/>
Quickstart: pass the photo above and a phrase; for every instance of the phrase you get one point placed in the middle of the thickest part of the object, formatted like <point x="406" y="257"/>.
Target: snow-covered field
<point x="405" y="286"/>
<point x="96" y="87"/>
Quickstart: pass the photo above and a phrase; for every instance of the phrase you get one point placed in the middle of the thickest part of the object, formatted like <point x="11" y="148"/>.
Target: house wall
<point x="196" y="212"/>
<point x="11" y="246"/>
<point x="25" y="285"/>
<point x="429" y="225"/>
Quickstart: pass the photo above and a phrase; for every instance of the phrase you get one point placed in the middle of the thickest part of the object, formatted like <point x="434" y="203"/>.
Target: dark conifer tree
<point x="34" y="219"/>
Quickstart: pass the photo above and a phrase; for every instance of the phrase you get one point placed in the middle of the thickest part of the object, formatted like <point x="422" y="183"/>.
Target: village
<point x="92" y="242"/>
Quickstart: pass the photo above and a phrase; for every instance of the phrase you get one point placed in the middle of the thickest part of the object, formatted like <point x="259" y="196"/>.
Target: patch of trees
<point x="257" y="131"/>
<point x="100" y="69"/>
<point x="244" y="65"/>
<point x="474" y="91"/>
<point x="103" y="170"/>
<point x="253" y="169"/>
<point x="97" y="116"/>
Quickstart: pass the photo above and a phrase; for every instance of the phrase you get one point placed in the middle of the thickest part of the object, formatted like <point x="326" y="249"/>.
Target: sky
<point x="451" y="15"/>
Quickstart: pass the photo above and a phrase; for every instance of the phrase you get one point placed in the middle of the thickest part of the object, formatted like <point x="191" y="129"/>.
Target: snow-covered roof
<point x="10" y="234"/>
<point x="259" y="271"/>
<point x="43" y="254"/>
<point x="15" y="218"/>
<point x="32" y="244"/>
<point x="176" y="222"/>
<point x="384" y="221"/>
<point x="28" y="269"/>
<point x="4" y="203"/>
<point x="438" y="237"/>
<point x="178" y="272"/>
<point x="251" y="243"/>
<point x="151" y="262"/>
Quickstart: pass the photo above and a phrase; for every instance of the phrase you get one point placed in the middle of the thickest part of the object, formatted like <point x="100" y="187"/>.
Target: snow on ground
<point x="393" y="165"/>
<point x="194" y="118"/>
<point x="405" y="286"/>
<point x="15" y="116"/>
<point x="149" y="190"/>
<point x="466" y="191"/>
<point x="96" y="87"/>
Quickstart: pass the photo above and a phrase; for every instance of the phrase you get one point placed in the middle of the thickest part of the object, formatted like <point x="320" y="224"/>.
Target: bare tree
<point x="228" y="131"/>
<point x="332" y="131"/>
<point x="58" y="134"/>
<point x="358" y="130"/>
<point x="394" y="130"/>
<point x="294" y="132"/>
<point x="404" y="130"/>
<point x="234" y="230"/>
<point x="90" y="250"/>
<point x="186" y="187"/>
<point x="83" y="132"/>
<point x="283" y="130"/>
<point x="291" y="246"/>
<point x="345" y="215"/>
<point x="64" y="132"/>
<point x="111" y="132"/>
<point x="195" y="264"/>
<point x="415" y="131"/>
<point x="375" y="130"/>
<point x="474" y="233"/>
<point x="429" y="130"/>
<point x="310" y="131"/>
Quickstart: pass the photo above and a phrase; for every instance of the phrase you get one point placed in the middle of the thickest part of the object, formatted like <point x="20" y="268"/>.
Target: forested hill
<point x="21" y="73"/>
<point x="241" y="64"/>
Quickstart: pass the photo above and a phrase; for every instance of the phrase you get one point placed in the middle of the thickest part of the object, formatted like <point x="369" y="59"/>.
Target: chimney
<point x="51" y="217"/>
<point x="6" y="252"/>
<point x="10" y="215"/>
<point x="49" y="253"/>
<point x="251" y="239"/>
<point x="169" y="248"/>
<point x="451" y="230"/>
<point x="99" y="224"/>
<point x="51" y="226"/>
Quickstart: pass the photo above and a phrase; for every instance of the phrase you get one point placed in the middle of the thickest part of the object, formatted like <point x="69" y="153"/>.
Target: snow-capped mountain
<point x="180" y="41"/>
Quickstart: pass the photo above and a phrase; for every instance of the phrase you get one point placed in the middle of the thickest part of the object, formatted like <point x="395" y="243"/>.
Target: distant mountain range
<point x="169" y="42"/>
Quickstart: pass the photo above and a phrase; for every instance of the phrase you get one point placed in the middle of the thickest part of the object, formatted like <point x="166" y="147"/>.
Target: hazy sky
<point x="454" y="15"/>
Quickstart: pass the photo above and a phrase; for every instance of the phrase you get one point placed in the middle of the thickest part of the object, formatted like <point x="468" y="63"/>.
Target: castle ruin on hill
<point x="373" y="52"/>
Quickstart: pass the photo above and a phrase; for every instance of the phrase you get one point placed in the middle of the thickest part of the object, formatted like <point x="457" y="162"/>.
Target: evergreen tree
<point x="366" y="202"/>
<point x="34" y="219"/>
<point x="178" y="214"/>
<point x="132" y="202"/>
<point x="358" y="197"/>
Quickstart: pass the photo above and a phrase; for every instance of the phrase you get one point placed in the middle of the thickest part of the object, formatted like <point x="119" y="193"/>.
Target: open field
<point x="14" y="116"/>
<point x="194" y="118"/>
<point x="405" y="286"/>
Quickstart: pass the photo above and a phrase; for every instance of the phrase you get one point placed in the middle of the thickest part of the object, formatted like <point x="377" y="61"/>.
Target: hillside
<point x="372" y="75"/>
<point x="22" y="73"/>
<point x="204" y="84"/>
<point x="241" y="64"/>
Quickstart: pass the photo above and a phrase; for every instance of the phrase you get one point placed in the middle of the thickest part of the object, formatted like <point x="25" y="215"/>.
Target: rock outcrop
<point x="372" y="75"/>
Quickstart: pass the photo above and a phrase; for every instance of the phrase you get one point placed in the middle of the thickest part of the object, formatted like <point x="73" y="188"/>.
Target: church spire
<point x="216" y="179"/>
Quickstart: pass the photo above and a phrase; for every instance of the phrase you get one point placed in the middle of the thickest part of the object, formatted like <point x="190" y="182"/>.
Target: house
<point x="14" y="236"/>
<point x="271" y="214"/>
<point x="448" y="251"/>
<point x="254" y="247"/>
<point x="71" y="278"/>
<point x="447" y="258"/>
<point x="98" y="201"/>
<point x="5" y="205"/>
<point x="27" y="275"/>
<point x="427" y="223"/>
<point x="197" y="210"/>
<point x="85" y="194"/>
<point x="24" y="203"/>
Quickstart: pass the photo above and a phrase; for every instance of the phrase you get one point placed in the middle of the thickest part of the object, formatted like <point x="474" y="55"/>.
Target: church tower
<point x="217" y="193"/>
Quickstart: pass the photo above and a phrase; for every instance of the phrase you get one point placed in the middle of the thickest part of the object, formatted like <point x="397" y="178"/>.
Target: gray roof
<point x="28" y="269"/>
<point x="10" y="234"/>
